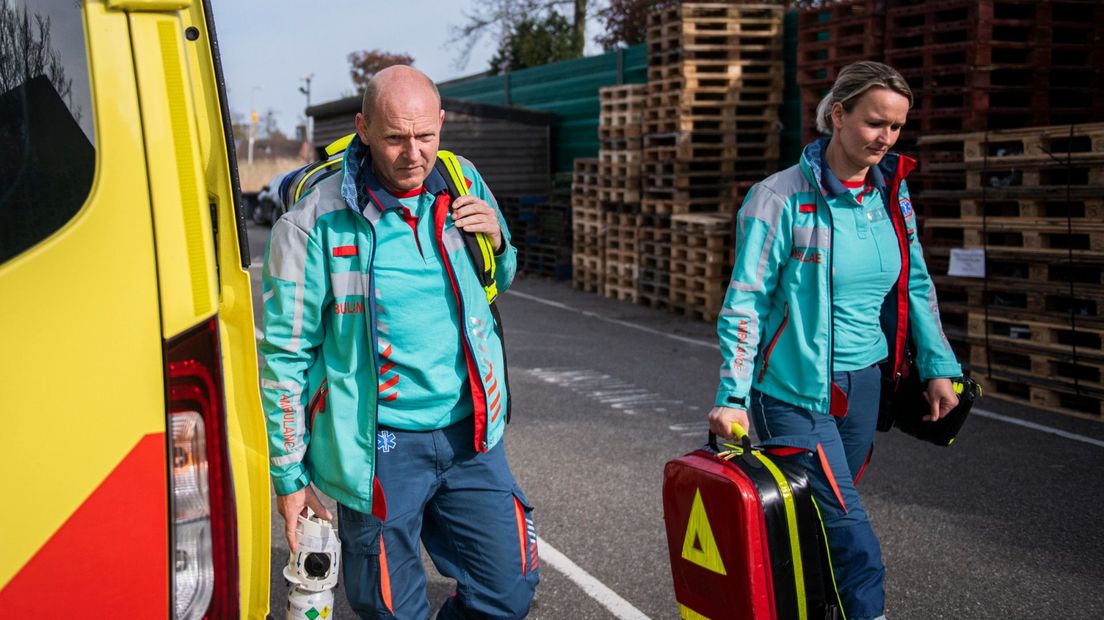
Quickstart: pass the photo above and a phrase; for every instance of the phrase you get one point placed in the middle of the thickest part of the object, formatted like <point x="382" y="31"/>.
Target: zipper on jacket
<point x="469" y="351"/>
<point x="831" y="301"/>
<point x="774" y="341"/>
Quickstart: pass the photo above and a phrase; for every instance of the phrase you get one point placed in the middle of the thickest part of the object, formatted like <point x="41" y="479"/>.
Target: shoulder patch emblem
<point x="906" y="207"/>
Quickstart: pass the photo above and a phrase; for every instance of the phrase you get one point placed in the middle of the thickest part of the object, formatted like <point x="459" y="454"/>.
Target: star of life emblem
<point x="385" y="441"/>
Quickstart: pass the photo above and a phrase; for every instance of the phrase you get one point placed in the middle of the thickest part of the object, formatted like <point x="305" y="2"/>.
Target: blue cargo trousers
<point x="836" y="451"/>
<point x="467" y="510"/>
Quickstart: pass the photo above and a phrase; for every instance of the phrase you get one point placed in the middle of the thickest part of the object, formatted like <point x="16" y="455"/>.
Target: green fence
<point x="568" y="88"/>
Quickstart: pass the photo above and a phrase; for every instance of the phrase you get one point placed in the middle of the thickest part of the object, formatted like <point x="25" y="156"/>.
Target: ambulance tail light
<point x="204" y="528"/>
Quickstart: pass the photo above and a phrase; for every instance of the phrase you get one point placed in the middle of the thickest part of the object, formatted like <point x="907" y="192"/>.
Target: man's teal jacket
<point x="319" y="384"/>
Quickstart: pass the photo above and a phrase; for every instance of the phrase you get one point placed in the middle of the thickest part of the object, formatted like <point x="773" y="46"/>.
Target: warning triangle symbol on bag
<point x="699" y="546"/>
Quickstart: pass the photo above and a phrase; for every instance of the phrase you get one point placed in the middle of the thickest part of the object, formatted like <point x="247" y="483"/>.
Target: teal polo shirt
<point x="866" y="262"/>
<point x="423" y="378"/>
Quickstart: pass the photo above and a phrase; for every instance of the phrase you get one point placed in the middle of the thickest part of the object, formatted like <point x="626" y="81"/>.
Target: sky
<point x="267" y="47"/>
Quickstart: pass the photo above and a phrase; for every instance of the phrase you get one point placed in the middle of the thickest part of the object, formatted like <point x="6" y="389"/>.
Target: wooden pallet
<point x="754" y="143"/>
<point x="584" y="206"/>
<point x="622" y="233"/>
<point x="621" y="110"/>
<point x="585" y="176"/>
<point x="701" y="246"/>
<point x="619" y="176"/>
<point x="1042" y="369"/>
<point x="1014" y="387"/>
<point x="829" y="37"/>
<point x="1080" y="211"/>
<point x="653" y="288"/>
<point x="1034" y="146"/>
<point x="1044" y="338"/>
<point x="1025" y="234"/>
<point x="1050" y="304"/>
<point x="735" y="74"/>
<point x="621" y="144"/>
<point x="695" y="297"/>
<point x="587" y="273"/>
<point x="1012" y="268"/>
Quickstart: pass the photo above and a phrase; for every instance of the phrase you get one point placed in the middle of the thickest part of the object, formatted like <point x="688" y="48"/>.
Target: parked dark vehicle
<point x="269" y="205"/>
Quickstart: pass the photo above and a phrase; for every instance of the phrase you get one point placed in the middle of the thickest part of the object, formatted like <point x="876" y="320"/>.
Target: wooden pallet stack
<point x="979" y="65"/>
<point x="619" y="176"/>
<point x="654" y="281"/>
<point x="588" y="228"/>
<point x="830" y="37"/>
<point x="1033" y="327"/>
<point x="715" y="83"/>
<point x="701" y="246"/>
<point x="540" y="229"/>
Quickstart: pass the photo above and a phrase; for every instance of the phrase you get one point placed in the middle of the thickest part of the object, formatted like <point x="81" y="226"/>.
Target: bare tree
<point x="499" y="18"/>
<point x="26" y="53"/>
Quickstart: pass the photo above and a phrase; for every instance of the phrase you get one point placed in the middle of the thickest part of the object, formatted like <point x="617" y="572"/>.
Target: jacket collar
<point x="358" y="174"/>
<point x="814" y="160"/>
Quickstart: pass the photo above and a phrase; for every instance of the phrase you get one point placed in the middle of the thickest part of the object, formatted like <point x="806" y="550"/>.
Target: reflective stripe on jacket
<point x="319" y="382"/>
<point x="775" y="327"/>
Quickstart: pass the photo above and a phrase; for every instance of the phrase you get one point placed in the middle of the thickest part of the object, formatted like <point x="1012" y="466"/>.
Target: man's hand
<point x="295" y="504"/>
<point x="470" y="214"/>
<point x="721" y="419"/>
<point x="941" y="397"/>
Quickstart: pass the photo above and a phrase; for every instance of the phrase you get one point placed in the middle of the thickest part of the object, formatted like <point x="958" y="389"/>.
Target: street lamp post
<point x="252" y="121"/>
<point x="306" y="90"/>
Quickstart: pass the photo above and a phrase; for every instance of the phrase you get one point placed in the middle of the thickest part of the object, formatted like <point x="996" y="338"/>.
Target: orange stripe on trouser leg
<point x="494" y="403"/>
<point x="831" y="477"/>
<point x="490" y="373"/>
<point x="519" y="515"/>
<point x="385" y="577"/>
<point x="386" y="368"/>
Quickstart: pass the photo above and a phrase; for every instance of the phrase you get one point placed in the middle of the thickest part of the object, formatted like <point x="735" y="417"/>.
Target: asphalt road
<point x="1006" y="524"/>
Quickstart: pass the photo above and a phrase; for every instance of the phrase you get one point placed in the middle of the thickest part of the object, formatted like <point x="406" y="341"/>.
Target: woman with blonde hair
<point x="829" y="292"/>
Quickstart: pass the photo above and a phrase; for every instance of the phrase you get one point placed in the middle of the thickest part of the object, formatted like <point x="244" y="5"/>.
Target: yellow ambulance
<point x="134" y="459"/>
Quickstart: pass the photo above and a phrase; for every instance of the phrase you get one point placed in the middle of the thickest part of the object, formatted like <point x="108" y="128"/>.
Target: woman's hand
<point x="721" y="419"/>
<point x="942" y="398"/>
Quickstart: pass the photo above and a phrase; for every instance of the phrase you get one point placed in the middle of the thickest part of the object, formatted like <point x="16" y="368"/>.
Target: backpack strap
<point x="479" y="245"/>
<point x="481" y="250"/>
<point x="304" y="179"/>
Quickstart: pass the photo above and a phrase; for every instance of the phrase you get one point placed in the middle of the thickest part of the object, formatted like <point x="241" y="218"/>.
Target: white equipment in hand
<point x="312" y="570"/>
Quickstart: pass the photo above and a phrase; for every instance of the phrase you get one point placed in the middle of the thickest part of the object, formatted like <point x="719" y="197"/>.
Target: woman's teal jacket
<point x="775" y="327"/>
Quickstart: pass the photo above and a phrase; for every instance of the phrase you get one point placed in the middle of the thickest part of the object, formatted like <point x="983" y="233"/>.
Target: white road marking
<point x="1038" y="427"/>
<point x="597" y="590"/>
<point x="703" y="343"/>
<point x="617" y="394"/>
<point x="595" y="315"/>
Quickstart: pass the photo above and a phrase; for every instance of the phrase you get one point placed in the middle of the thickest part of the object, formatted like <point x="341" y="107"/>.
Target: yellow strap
<point x="306" y="177"/>
<point x="791" y="522"/>
<point x="685" y="613"/>
<point x="339" y="145"/>
<point x="452" y="164"/>
<point x="828" y="552"/>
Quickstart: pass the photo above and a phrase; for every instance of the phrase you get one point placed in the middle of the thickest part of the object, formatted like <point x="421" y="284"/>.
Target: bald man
<point x="384" y="378"/>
